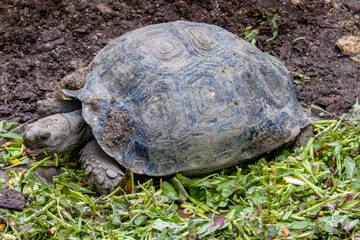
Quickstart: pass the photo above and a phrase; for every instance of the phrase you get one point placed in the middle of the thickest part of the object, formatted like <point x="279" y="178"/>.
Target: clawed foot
<point x="101" y="171"/>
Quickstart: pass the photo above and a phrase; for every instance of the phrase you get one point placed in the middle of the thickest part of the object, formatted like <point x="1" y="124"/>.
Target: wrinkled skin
<point x="59" y="133"/>
<point x="63" y="133"/>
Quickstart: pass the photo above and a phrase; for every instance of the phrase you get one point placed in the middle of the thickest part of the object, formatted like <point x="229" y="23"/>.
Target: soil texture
<point x="42" y="41"/>
<point x="12" y="199"/>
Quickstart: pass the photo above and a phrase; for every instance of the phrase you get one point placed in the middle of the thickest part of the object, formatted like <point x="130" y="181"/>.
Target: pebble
<point x="50" y="35"/>
<point x="103" y="8"/>
<point x="51" y="45"/>
<point x="350" y="46"/>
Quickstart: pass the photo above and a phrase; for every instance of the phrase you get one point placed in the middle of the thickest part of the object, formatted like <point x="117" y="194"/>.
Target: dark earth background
<point x="41" y="41"/>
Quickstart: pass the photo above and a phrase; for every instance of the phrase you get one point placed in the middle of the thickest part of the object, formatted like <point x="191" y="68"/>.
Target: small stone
<point x="104" y="9"/>
<point x="50" y="35"/>
<point x="350" y="46"/>
<point x="52" y="230"/>
<point x="111" y="173"/>
<point x="295" y="2"/>
<point x="62" y="26"/>
<point x="70" y="9"/>
<point x="52" y="45"/>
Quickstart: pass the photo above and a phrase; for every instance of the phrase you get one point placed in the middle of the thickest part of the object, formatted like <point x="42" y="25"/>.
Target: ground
<point x="42" y="41"/>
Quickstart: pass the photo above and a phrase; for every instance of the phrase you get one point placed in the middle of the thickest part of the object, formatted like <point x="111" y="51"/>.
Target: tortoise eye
<point x="43" y="137"/>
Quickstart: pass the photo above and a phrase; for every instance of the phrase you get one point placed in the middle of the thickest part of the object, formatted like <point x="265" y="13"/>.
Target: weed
<point x="250" y="33"/>
<point x="271" y="20"/>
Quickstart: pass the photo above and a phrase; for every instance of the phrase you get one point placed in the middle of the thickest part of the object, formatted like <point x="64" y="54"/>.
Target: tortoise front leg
<point x="101" y="171"/>
<point x="53" y="105"/>
<point x="55" y="102"/>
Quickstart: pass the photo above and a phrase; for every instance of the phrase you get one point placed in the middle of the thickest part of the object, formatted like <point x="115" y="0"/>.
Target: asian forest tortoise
<point x="177" y="97"/>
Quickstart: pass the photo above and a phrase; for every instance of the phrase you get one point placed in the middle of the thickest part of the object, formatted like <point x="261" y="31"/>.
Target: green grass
<point x="313" y="193"/>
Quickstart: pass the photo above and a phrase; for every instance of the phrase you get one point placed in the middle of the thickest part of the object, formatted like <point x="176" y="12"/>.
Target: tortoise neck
<point x="80" y="132"/>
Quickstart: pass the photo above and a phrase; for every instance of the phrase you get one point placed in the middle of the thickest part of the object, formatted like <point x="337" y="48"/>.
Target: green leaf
<point x="181" y="190"/>
<point x="116" y="219"/>
<point x="257" y="194"/>
<point x="211" y="227"/>
<point x="298" y="225"/>
<point x="349" y="226"/>
<point x="228" y="188"/>
<point x="10" y="135"/>
<point x="139" y="219"/>
<point x="7" y="126"/>
<point x="282" y="172"/>
<point x="337" y="151"/>
<point x="74" y="186"/>
<point x="349" y="167"/>
<point x="350" y="204"/>
<point x="355" y="185"/>
<point x="184" y="180"/>
<point x="170" y="191"/>
<point x="270" y="231"/>
<point x="161" y="225"/>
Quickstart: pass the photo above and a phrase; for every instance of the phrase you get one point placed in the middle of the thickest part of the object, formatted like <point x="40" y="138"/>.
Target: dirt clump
<point x="12" y="199"/>
<point x="117" y="130"/>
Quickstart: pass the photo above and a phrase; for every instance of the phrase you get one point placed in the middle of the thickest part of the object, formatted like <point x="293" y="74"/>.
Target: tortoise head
<point x="59" y="133"/>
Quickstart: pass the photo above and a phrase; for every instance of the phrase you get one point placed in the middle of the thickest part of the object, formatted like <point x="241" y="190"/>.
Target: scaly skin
<point x="55" y="102"/>
<point x="63" y="133"/>
<point x="52" y="105"/>
<point x="102" y="172"/>
<point x="59" y="133"/>
<point x="62" y="129"/>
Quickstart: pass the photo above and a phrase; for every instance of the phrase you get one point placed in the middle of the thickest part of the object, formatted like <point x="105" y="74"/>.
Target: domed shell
<point x="188" y="97"/>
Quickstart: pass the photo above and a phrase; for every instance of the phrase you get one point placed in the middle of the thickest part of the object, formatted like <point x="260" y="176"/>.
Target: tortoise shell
<point x="188" y="97"/>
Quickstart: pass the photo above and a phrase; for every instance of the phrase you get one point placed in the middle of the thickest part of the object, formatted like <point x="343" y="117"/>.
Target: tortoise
<point x="177" y="97"/>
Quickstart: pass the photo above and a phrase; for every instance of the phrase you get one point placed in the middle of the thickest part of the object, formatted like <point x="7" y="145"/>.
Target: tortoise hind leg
<point x="101" y="171"/>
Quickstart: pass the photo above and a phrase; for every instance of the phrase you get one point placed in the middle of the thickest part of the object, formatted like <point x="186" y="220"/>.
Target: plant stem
<point x="38" y="164"/>
<point x="49" y="205"/>
<point x="65" y="224"/>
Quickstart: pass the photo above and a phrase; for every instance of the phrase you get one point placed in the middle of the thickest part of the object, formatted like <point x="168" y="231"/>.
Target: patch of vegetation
<point x="249" y="33"/>
<point x="312" y="193"/>
<point x="5" y="128"/>
<point x="271" y="20"/>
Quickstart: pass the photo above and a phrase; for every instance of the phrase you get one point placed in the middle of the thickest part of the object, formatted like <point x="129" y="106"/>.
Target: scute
<point x="188" y="97"/>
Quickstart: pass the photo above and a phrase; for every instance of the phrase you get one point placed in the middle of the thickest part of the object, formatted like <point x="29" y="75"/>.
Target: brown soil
<point x="41" y="41"/>
<point x="11" y="199"/>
